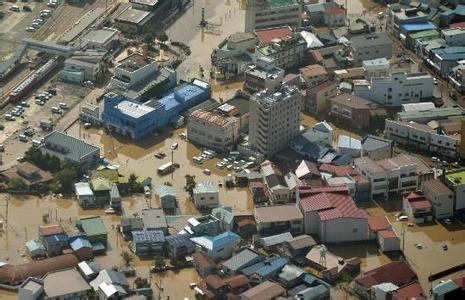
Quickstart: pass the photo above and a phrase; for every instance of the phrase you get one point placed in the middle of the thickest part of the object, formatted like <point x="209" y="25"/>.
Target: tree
<point x="162" y="37"/>
<point x="159" y="262"/>
<point x="141" y="283"/>
<point x="148" y="39"/>
<point x="168" y="183"/>
<point x="17" y="183"/>
<point x="190" y="184"/>
<point x="127" y="258"/>
<point x="133" y="185"/>
<point x="67" y="176"/>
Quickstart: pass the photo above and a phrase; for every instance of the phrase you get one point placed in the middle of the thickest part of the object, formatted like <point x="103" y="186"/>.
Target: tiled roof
<point x="267" y="35"/>
<point x="372" y="142"/>
<point x="277" y="213"/>
<point x="202" y="260"/>
<point x="214" y="281"/>
<point x="342" y="189"/>
<point x="332" y="206"/>
<point x="313" y="70"/>
<point x="237" y="281"/>
<point x="387" y="234"/>
<point x="52" y="229"/>
<point x="436" y="187"/>
<point x="411" y="291"/>
<point x="339" y="171"/>
<point x="396" y="272"/>
<point x="377" y="223"/>
<point x="265" y="290"/>
<point x="351" y="101"/>
<point x="243" y="259"/>
<point x="307" y="168"/>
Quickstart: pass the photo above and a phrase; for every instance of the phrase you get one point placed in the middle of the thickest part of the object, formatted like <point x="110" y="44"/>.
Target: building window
<point x="355" y="230"/>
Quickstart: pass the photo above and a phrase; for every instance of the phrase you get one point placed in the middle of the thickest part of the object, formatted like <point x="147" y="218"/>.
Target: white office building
<point x="274" y="119"/>
<point x="271" y="13"/>
<point x="397" y="89"/>
<point x="263" y="76"/>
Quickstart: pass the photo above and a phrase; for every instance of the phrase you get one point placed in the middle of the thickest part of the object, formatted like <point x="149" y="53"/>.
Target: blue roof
<point x="273" y="266"/>
<point x="224" y="239"/>
<point x="349" y="142"/>
<point x="418" y="26"/>
<point x="450" y="53"/>
<point x="80" y="243"/>
<point x="151" y="236"/>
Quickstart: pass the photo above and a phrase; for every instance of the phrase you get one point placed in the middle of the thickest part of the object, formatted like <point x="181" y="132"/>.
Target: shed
<point x="35" y="248"/>
<point x="84" y="194"/>
<point x="82" y="248"/>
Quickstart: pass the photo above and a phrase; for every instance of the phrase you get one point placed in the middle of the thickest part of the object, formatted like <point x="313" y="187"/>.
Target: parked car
<point x="57" y="110"/>
<point x="15" y="8"/>
<point x="30" y="29"/>
<point x="27" y="8"/>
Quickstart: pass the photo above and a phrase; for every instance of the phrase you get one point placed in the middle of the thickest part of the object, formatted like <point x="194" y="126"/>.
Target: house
<point x="330" y="265"/>
<point x="388" y="241"/>
<point x="315" y="142"/>
<point x="55" y="244"/>
<point x="237" y="284"/>
<point x="351" y="110"/>
<point x="300" y="245"/>
<point x="307" y="170"/>
<point x="396" y="272"/>
<point x="376" y="147"/>
<point x="453" y="288"/>
<point x="49" y="230"/>
<point x="84" y="194"/>
<point x="203" y="264"/>
<point x="349" y="145"/>
<point x="82" y="248"/>
<point x="206" y="195"/>
<point x="333" y="217"/>
<point x="265" y="290"/>
<point x="226" y="217"/>
<point x="179" y="246"/>
<point x="65" y="284"/>
<point x="154" y="219"/>
<point x="268" y="269"/>
<point x="410" y="291"/>
<point x="116" y="279"/>
<point x="167" y="196"/>
<point x="290" y="276"/>
<point x="275" y="183"/>
<point x="204" y="225"/>
<point x="70" y="150"/>
<point x="31" y="289"/>
<point x="28" y="173"/>
<point x="441" y="198"/>
<point x="417" y="207"/>
<point x="35" y="249"/>
<point x="314" y="75"/>
<point x="278" y="219"/>
<point x="272" y="242"/>
<point x="115" y="198"/>
<point x="370" y="46"/>
<point x="95" y="230"/>
<point x="217" y="247"/>
<point x="244" y="258"/>
<point x="148" y="242"/>
<point x="216" y="285"/>
<point x="316" y="99"/>
<point x="128" y="225"/>
<point x="246" y="228"/>
<point x="257" y="189"/>
<point x="88" y="269"/>
<point x="377" y="224"/>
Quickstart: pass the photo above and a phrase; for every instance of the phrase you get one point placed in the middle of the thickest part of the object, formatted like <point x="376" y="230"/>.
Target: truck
<point x="167" y="168"/>
<point x="46" y="125"/>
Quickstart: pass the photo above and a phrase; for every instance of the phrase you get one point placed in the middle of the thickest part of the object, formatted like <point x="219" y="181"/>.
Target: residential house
<point x="278" y="219"/>
<point x="316" y="99"/>
<point x="148" y="242"/>
<point x="370" y="46"/>
<point x="35" y="249"/>
<point x="396" y="272"/>
<point x="311" y="288"/>
<point x="330" y="14"/>
<point x="314" y="75"/>
<point x="300" y="245"/>
<point x="95" y="230"/>
<point x="333" y="217"/>
<point x="376" y="147"/>
<point x="128" y="225"/>
<point x="216" y="285"/>
<point x="114" y="278"/>
<point x="237" y="284"/>
<point x="206" y="195"/>
<point x="272" y="243"/>
<point x="65" y="284"/>
<point x="410" y="291"/>
<point x="179" y="246"/>
<point x="84" y="194"/>
<point x="115" y="198"/>
<point x="203" y="264"/>
<point x="388" y="241"/>
<point x="55" y="244"/>
<point x="217" y="247"/>
<point x="307" y="170"/>
<point x="441" y="198"/>
<point x="243" y="259"/>
<point x="226" y="217"/>
<point x="290" y="276"/>
<point x="351" y="110"/>
<point x="167" y="196"/>
<point x="204" y="225"/>
<point x="70" y="150"/>
<point x="28" y="173"/>
<point x="276" y="187"/>
<point x="82" y="248"/>
<point x="31" y="289"/>
<point x="267" y="269"/>
<point x="83" y="66"/>
<point x="88" y="269"/>
<point x="246" y="228"/>
<point x="154" y="219"/>
<point x="417" y="207"/>
<point x="377" y="224"/>
<point x="265" y="290"/>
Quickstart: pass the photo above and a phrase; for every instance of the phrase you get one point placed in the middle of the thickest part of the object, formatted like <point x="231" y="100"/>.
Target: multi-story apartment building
<point x="454" y="36"/>
<point x="263" y="76"/>
<point x="370" y="46"/>
<point x="377" y="176"/>
<point x="272" y="13"/>
<point x="287" y="52"/>
<point x="317" y="98"/>
<point x="274" y="119"/>
<point x="399" y="88"/>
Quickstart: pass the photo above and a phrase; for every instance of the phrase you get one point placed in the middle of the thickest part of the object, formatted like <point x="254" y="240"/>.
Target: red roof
<point x="214" y="281"/>
<point x="387" y="234"/>
<point x="267" y="35"/>
<point x="332" y="206"/>
<point x="338" y="189"/>
<point x="460" y="281"/>
<point x="237" y="281"/>
<point x="378" y="223"/>
<point x="396" y="272"/>
<point x="417" y="200"/>
<point x="338" y="171"/>
<point x="411" y="291"/>
<point x="52" y="229"/>
<point x="336" y="11"/>
<point x="457" y="25"/>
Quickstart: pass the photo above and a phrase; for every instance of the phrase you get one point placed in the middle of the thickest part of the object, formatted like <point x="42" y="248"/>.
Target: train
<point x="26" y="85"/>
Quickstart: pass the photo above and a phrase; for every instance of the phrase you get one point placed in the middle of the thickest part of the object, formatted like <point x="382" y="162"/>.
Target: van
<point x="22" y="138"/>
<point x="14" y="8"/>
<point x="197" y="160"/>
<point x="9" y="117"/>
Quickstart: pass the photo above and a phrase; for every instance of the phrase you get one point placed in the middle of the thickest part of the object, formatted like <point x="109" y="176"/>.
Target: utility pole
<point x="403" y="239"/>
<point x="172" y="164"/>
<point x="6" y="213"/>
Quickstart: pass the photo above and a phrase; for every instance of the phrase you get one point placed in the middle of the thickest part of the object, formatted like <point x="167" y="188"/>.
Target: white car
<point x="30" y="29"/>
<point x="38" y="20"/>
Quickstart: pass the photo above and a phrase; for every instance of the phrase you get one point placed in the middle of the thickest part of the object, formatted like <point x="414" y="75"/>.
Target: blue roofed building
<point x="54" y="244"/>
<point x="444" y="59"/>
<point x="409" y="28"/>
<point x="269" y="269"/>
<point x="246" y="257"/>
<point x="148" y="242"/>
<point x="217" y="247"/>
<point x="82" y="248"/>
<point x="131" y="118"/>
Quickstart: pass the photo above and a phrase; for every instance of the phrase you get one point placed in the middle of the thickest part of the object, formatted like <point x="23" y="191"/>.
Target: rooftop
<point x="265" y="290"/>
<point x="266" y="36"/>
<point x="313" y="70"/>
<point x="206" y="187"/>
<point x="154" y="218"/>
<point x="396" y="272"/>
<point x="351" y="101"/>
<point x="148" y="236"/>
<point x="369" y="40"/>
<point x="373" y="142"/>
<point x="134" y="110"/>
<point x="456" y="177"/>
<point x="277" y="213"/>
<point x="436" y="187"/>
<point x="378" y="223"/>
<point x="69" y="146"/>
<point x="212" y="118"/>
<point x="134" y="16"/>
<point x="243" y="259"/>
<point x="404" y="159"/>
<point x="50" y="229"/>
<point x="93" y="226"/>
<point x="216" y="242"/>
<point x="64" y="283"/>
<point x="332" y="206"/>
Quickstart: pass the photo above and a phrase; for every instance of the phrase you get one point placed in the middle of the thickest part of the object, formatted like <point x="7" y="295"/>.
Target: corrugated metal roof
<point x="70" y="147"/>
<point x="243" y="259"/>
<point x="148" y="236"/>
<point x="80" y="243"/>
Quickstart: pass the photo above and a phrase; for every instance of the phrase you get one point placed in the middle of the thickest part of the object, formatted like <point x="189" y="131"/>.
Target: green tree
<point x="190" y="184"/>
<point x="148" y="39"/>
<point x="66" y="177"/>
<point x="17" y="183"/>
<point x="127" y="258"/>
<point x="133" y="185"/>
<point x="141" y="283"/>
<point x="159" y="262"/>
<point x="162" y="37"/>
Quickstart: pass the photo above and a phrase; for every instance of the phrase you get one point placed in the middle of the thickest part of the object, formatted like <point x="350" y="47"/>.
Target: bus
<point x="167" y="168"/>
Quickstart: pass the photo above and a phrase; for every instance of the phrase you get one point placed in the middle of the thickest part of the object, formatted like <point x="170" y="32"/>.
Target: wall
<point x="206" y="200"/>
<point x="343" y="230"/>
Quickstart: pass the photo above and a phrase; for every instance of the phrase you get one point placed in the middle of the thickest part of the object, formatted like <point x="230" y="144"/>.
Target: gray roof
<point x="276" y="239"/>
<point x="72" y="148"/>
<point x="179" y="240"/>
<point x="371" y="143"/>
<point x="166" y="190"/>
<point x="302" y="241"/>
<point x="151" y="236"/>
<point x="370" y="40"/>
<point x="223" y="213"/>
<point x="109" y="276"/>
<point x="154" y="218"/>
<point x="114" y="192"/>
<point x="243" y="259"/>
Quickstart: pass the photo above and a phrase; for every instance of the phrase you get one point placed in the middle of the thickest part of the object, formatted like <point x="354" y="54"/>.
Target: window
<point x="355" y="230"/>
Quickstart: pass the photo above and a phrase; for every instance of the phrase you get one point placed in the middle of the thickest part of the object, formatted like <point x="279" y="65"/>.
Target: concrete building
<point x="370" y="46"/>
<point x="137" y="120"/>
<point x="333" y="217"/>
<point x="278" y="219"/>
<point x="314" y="75"/>
<point x="399" y="14"/>
<point x="139" y="77"/>
<point x="179" y="245"/>
<point x="351" y="110"/>
<point x="275" y="119"/>
<point x="454" y="36"/>
<point x="444" y="59"/>
<point x="457" y="77"/>
<point x="263" y="75"/>
<point x="376" y="147"/>
<point x="440" y="196"/>
<point x="84" y="66"/>
<point x="70" y="150"/>
<point x="206" y="195"/>
<point x="316" y="99"/>
<point x="399" y="88"/>
<point x="379" y="67"/>
<point x="455" y="180"/>
<point x="31" y="289"/>
<point x="267" y="14"/>
<point x="417" y="208"/>
<point x="105" y="38"/>
<point x="204" y="225"/>
<point x="329" y="14"/>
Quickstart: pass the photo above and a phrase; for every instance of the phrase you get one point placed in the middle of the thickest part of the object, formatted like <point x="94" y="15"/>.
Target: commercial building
<point x="397" y="89"/>
<point x="138" y="77"/>
<point x="84" y="66"/>
<point x="70" y="150"/>
<point x="457" y="77"/>
<point x="275" y="119"/>
<point x="379" y="67"/>
<point x="455" y="180"/>
<point x="316" y="99"/>
<point x="105" y="38"/>
<point x="453" y="36"/>
<point x="399" y="14"/>
<point x="263" y="75"/>
<point x="65" y="284"/>
<point x="441" y="198"/>
<point x="278" y="219"/>
<point x="351" y="110"/>
<point x="206" y="195"/>
<point x="376" y="147"/>
<point x="417" y="208"/>
<point x="329" y="14"/>
<point x="137" y="120"/>
<point x="268" y="13"/>
<point x="370" y="46"/>
<point x="444" y="59"/>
